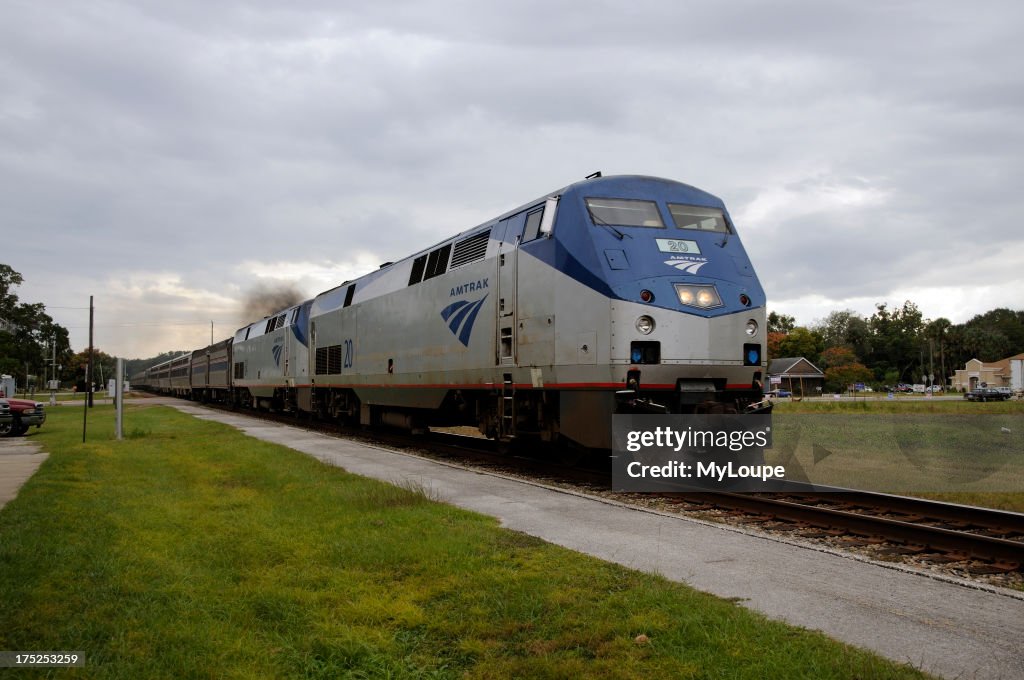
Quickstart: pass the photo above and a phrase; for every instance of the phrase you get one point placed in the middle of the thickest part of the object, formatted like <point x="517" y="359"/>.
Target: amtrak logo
<point x="469" y="287"/>
<point x="276" y="350"/>
<point x="461" y="316"/>
<point x="689" y="266"/>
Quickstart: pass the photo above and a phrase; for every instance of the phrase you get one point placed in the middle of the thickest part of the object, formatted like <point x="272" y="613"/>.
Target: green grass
<point x="190" y="550"/>
<point x="956" y="451"/>
<point x="902" y="405"/>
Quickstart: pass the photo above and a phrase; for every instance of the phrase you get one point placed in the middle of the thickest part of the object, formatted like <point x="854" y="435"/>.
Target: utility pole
<point x="931" y="361"/>
<point x="88" y="378"/>
<point x="119" y="399"/>
<point x="942" y="362"/>
<point x="53" y="363"/>
<point x="91" y="364"/>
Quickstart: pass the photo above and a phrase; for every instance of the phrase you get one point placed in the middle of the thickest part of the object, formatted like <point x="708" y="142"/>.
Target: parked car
<point x="986" y="394"/>
<point x="6" y="418"/>
<point x="25" y="413"/>
<point x="779" y="393"/>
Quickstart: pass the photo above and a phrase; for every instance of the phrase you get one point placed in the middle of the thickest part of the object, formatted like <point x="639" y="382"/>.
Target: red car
<point x="24" y="414"/>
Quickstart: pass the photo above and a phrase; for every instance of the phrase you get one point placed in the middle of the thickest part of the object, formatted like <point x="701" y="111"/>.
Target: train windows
<point x="433" y="264"/>
<point x="532" y="225"/>
<point x="624" y="212"/>
<point x="349" y="294"/>
<point x="698" y="219"/>
<point x="437" y="263"/>
<point x="274" y="322"/>
<point x="506" y="342"/>
<point x="418" y="265"/>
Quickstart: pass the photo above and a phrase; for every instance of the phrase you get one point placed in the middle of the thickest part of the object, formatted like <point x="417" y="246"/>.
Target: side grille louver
<point x="470" y="249"/>
<point x="328" y="360"/>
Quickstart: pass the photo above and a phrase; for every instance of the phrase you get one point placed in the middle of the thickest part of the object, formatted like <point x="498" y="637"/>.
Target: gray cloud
<point x="860" y="147"/>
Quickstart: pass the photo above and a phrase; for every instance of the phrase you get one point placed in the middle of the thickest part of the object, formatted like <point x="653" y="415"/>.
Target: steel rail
<point x="989" y="548"/>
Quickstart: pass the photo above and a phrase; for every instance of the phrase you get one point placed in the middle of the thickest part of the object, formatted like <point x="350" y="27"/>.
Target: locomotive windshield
<point x="624" y="213"/>
<point x="700" y="219"/>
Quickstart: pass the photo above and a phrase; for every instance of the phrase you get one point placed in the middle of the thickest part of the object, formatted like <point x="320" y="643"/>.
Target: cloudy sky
<point x="171" y="158"/>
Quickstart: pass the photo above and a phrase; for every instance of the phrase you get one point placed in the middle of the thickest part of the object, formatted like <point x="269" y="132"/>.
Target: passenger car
<point x="6" y="419"/>
<point x="25" y="413"/>
<point x="986" y="394"/>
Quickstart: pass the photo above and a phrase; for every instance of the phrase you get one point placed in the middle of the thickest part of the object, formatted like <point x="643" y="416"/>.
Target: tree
<point x="846" y="328"/>
<point x="938" y="334"/>
<point x="28" y="338"/>
<point x="774" y="343"/>
<point x="898" y="344"/>
<point x="837" y="356"/>
<point x="1004" y="321"/>
<point x="838" y="378"/>
<point x="104" y="368"/>
<point x="801" y="342"/>
<point x="780" y="323"/>
<point x="985" y="343"/>
<point x="896" y="337"/>
<point x="8" y="280"/>
<point x="842" y="368"/>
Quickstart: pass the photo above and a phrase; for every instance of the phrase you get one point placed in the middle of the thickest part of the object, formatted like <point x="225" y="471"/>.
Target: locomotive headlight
<point x="645" y="324"/>
<point x="751" y="328"/>
<point x="704" y="296"/>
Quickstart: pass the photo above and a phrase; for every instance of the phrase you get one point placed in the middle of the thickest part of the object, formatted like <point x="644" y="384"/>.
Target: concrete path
<point x="943" y="627"/>
<point x="20" y="457"/>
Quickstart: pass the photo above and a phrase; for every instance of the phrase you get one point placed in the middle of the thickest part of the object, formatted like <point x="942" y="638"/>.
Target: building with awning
<point x="796" y="374"/>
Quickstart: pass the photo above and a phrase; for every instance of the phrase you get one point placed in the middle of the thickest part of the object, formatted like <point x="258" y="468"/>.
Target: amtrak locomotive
<point x="614" y="294"/>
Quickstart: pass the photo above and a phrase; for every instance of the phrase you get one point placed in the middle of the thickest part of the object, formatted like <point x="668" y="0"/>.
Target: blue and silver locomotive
<point x="614" y="294"/>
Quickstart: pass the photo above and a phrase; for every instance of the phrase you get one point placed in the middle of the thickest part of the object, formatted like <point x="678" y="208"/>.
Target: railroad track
<point x="984" y="540"/>
<point x="936" y="531"/>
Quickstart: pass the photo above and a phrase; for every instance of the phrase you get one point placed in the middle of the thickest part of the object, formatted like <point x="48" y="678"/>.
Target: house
<point x="796" y="374"/>
<point x="1008" y="372"/>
